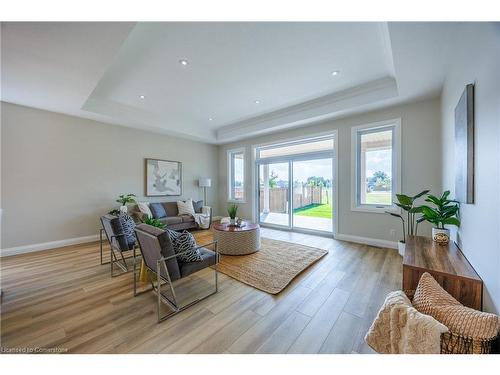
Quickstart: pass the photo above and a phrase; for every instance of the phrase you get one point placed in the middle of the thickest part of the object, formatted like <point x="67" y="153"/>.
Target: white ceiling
<point x="99" y="71"/>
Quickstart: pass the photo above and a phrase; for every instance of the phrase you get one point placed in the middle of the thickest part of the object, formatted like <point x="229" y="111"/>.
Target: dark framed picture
<point x="163" y="177"/>
<point x="464" y="146"/>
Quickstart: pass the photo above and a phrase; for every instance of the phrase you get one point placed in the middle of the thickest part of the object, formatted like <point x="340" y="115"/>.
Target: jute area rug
<point x="273" y="267"/>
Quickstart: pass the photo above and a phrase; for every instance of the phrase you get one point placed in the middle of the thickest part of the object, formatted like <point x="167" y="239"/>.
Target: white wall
<point x="477" y="60"/>
<point x="421" y="166"/>
<point x="60" y="173"/>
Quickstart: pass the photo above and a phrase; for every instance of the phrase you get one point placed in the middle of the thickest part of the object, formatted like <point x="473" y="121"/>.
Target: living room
<point x="250" y="187"/>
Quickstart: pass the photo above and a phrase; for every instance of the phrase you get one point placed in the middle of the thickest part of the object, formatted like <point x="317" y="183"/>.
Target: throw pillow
<point x="144" y="208"/>
<point x="431" y="299"/>
<point x="128" y="226"/>
<point x="185" y="208"/>
<point x="186" y="244"/>
<point x="400" y="328"/>
<point x="198" y="206"/>
<point x="158" y="210"/>
<point x="173" y="235"/>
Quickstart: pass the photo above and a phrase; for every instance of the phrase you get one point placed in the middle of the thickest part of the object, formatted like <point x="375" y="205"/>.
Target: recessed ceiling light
<point x="210" y="119"/>
<point x="335" y="72"/>
<point x="257" y="102"/>
<point x="183" y="62"/>
<point x="142" y="97"/>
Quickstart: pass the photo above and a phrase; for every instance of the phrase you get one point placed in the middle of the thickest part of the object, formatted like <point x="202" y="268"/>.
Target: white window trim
<point x="396" y="166"/>
<point x="230" y="174"/>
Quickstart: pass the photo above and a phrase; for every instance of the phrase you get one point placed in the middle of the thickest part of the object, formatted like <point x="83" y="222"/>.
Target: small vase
<point x="401" y="248"/>
<point x="441" y="236"/>
<point x="123" y="209"/>
<point x="232" y="221"/>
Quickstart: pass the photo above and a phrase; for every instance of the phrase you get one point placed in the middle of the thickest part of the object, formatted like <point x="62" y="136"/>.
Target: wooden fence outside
<point x="302" y="196"/>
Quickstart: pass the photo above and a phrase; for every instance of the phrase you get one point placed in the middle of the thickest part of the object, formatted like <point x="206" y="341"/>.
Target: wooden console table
<point x="447" y="265"/>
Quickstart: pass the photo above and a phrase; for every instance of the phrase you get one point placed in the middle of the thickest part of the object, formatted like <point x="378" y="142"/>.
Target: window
<point x="376" y="165"/>
<point x="295" y="148"/>
<point x="236" y="175"/>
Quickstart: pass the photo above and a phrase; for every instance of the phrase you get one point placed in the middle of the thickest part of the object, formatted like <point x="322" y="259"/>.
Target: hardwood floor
<point x="63" y="298"/>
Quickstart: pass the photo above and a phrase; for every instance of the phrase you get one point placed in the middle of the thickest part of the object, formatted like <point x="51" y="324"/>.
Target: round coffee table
<point x="232" y="240"/>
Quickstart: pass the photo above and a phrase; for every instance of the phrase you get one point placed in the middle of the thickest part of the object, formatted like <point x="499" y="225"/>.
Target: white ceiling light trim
<point x="312" y="111"/>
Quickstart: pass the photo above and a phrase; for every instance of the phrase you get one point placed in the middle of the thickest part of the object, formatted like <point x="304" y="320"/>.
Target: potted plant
<point x="154" y="222"/>
<point x="232" y="210"/>
<point x="410" y="226"/>
<point x="444" y="213"/>
<point x="125" y="199"/>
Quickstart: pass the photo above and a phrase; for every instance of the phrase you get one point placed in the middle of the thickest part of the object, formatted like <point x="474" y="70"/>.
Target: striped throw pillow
<point x="186" y="244"/>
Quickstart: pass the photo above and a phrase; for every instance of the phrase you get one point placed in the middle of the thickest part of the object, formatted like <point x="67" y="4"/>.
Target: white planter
<point x="401" y="248"/>
<point x="232" y="221"/>
<point x="438" y="230"/>
<point x="123" y="209"/>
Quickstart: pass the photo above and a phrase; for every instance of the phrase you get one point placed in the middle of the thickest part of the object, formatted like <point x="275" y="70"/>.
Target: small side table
<point x="233" y="240"/>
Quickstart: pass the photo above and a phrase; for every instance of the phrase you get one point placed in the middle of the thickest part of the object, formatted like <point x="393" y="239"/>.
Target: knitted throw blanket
<point x="400" y="329"/>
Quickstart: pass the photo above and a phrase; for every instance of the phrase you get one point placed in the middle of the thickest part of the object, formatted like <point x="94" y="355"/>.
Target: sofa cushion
<point x="144" y="208"/>
<point x="170" y="208"/>
<point x="171" y="220"/>
<point x="431" y="299"/>
<point x="197" y="206"/>
<point x="186" y="218"/>
<point x="185" y="208"/>
<point x="207" y="259"/>
<point x="185" y="246"/>
<point x="157" y="210"/>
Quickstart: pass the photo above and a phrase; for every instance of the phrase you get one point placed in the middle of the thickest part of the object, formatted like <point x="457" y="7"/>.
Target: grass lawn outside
<point x="316" y="210"/>
<point x="378" y="197"/>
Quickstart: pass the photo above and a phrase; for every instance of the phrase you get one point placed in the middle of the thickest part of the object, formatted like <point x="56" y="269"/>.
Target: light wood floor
<point x="64" y="298"/>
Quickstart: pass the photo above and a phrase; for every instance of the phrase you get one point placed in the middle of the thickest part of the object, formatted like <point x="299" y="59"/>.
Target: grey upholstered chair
<point x="161" y="261"/>
<point x="118" y="243"/>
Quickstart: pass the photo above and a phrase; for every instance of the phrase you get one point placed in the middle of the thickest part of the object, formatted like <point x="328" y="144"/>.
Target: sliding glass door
<point x="312" y="194"/>
<point x="295" y="186"/>
<point x="274" y="203"/>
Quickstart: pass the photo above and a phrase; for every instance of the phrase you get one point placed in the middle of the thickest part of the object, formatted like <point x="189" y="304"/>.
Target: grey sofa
<point x="167" y="213"/>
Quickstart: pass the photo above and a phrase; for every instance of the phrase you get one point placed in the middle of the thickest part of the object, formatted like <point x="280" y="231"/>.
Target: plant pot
<point x="123" y="209"/>
<point x="441" y="236"/>
<point x="232" y="221"/>
<point x="401" y="248"/>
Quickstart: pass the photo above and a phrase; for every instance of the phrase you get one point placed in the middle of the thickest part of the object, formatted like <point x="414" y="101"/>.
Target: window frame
<point x="230" y="174"/>
<point x="396" y="165"/>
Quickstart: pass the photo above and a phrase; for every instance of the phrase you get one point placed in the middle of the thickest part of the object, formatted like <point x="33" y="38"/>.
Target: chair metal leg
<point x="100" y="243"/>
<point x="114" y="260"/>
<point x="173" y="304"/>
<point x="135" y="276"/>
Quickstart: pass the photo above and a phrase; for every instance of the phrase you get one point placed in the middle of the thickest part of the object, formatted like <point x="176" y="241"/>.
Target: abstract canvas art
<point x="163" y="177"/>
<point x="464" y="146"/>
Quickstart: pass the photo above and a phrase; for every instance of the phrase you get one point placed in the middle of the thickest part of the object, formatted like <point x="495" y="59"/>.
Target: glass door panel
<point x="274" y="205"/>
<point x="312" y="194"/>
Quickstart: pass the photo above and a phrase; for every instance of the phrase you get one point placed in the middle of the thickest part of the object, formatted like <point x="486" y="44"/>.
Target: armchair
<point x="117" y="242"/>
<point x="164" y="267"/>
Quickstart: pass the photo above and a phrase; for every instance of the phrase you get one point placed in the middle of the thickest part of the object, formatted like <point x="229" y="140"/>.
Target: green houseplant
<point x="125" y="199"/>
<point x="154" y="222"/>
<point x="444" y="212"/>
<point x="410" y="226"/>
<point x="232" y="210"/>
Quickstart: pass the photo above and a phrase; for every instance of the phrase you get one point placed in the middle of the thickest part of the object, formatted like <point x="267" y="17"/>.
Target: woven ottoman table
<point x="233" y="240"/>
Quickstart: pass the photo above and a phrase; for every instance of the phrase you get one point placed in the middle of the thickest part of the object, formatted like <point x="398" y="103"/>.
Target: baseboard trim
<point x="47" y="245"/>
<point x="367" y="241"/>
